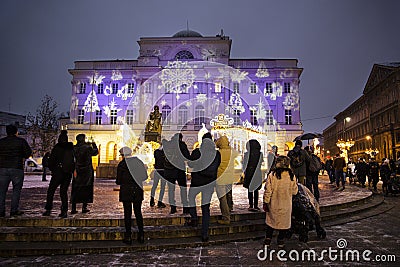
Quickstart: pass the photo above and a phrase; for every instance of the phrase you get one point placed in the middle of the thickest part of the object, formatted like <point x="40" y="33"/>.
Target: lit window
<point x="199" y="115"/>
<point x="253" y="117"/>
<point x="131" y="88"/>
<point x="286" y="88"/>
<point x="288" y="116"/>
<point x="268" y="89"/>
<point x="100" y="88"/>
<point x="184" y="88"/>
<point x="218" y="87"/>
<point x="182" y="115"/>
<point x="113" y="116"/>
<point x="184" y="55"/>
<point x="130" y="117"/>
<point x="165" y="114"/>
<point x="236" y="117"/>
<point x="114" y="88"/>
<point x="253" y="88"/>
<point x="98" y="117"/>
<point x="82" y="88"/>
<point x="236" y="88"/>
<point x="81" y="116"/>
<point x="269" y="118"/>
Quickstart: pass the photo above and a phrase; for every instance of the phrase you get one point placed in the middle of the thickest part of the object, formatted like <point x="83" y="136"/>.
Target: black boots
<point x="160" y="205"/>
<point x="152" y="203"/>
<point x="173" y="210"/>
<point x="140" y="237"/>
<point x="127" y="238"/>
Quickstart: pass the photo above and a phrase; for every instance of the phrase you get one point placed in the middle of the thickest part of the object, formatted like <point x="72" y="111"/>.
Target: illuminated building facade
<point x="373" y="120"/>
<point x="192" y="79"/>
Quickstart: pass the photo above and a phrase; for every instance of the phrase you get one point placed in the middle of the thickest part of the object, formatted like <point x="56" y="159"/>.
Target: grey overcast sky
<point x="336" y="42"/>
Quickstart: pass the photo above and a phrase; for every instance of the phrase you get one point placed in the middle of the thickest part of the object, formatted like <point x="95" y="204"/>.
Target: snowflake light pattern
<point x="201" y="98"/>
<point x="234" y="74"/>
<point x="176" y="75"/>
<point x="123" y="92"/>
<point x="292" y="100"/>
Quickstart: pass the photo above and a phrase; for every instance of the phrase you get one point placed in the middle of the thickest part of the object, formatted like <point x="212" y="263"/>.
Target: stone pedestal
<point x="152" y="136"/>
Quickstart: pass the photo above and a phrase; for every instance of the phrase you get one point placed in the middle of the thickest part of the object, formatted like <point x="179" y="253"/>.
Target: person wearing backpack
<point x="313" y="169"/>
<point x="299" y="159"/>
<point x="62" y="164"/>
<point x="205" y="162"/>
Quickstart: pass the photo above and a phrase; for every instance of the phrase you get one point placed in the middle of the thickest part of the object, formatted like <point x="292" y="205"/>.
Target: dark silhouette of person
<point x="45" y="164"/>
<point x="205" y="162"/>
<point x="252" y="161"/>
<point x="82" y="184"/>
<point x="131" y="173"/>
<point x="13" y="151"/>
<point x="159" y="160"/>
<point x="62" y="164"/>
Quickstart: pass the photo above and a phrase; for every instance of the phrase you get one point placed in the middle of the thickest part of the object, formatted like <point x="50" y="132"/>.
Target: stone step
<point x="71" y="234"/>
<point x="14" y="249"/>
<point x="357" y="207"/>
<point x="113" y="222"/>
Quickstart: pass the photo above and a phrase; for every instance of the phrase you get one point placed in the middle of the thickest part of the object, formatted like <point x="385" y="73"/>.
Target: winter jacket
<point x="226" y="169"/>
<point x="252" y="161"/>
<point x="339" y="163"/>
<point x="13" y="151"/>
<point x="62" y="158"/>
<point x="131" y="173"/>
<point x="385" y="173"/>
<point x="205" y="162"/>
<point x="278" y="196"/>
<point x="300" y="170"/>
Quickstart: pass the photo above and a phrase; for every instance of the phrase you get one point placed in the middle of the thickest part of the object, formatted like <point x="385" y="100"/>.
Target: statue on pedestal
<point x="153" y="126"/>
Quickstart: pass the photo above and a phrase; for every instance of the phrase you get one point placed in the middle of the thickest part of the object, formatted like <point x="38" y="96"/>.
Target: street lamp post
<point x="345" y="144"/>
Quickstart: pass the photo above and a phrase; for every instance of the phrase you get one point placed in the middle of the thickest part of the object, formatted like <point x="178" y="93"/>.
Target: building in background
<point x="7" y="118"/>
<point x="372" y="122"/>
<point x="193" y="80"/>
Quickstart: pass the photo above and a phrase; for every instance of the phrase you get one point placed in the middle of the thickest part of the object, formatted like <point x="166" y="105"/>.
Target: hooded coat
<point x="278" y="196"/>
<point x="252" y="161"/>
<point x="226" y="169"/>
<point x="301" y="170"/>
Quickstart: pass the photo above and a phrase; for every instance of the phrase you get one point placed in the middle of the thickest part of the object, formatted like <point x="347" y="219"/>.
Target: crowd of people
<point x="363" y="173"/>
<point x="211" y="169"/>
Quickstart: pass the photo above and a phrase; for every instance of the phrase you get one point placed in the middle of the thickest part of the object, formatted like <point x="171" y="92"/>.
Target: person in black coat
<point x="131" y="173"/>
<point x="13" y="151"/>
<point x="176" y="153"/>
<point x="159" y="159"/>
<point x="62" y="164"/>
<point x="252" y="172"/>
<point x="45" y="164"/>
<point x="82" y="184"/>
<point x="205" y="162"/>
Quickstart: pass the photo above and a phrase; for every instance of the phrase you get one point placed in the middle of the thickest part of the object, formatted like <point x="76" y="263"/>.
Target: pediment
<point x="378" y="74"/>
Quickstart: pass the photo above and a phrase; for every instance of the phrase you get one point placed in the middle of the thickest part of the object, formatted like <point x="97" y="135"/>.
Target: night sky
<point x="336" y="42"/>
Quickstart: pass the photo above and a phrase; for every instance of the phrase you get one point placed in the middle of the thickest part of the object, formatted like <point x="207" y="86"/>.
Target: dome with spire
<point x="187" y="33"/>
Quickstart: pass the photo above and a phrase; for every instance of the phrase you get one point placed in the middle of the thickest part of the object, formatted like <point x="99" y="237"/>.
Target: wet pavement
<point x="378" y="234"/>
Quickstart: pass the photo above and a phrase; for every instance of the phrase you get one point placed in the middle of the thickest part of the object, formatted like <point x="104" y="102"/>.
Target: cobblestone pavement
<point x="379" y="234"/>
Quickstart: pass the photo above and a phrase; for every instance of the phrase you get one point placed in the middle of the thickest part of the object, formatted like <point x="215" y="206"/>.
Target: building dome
<point x="187" y="33"/>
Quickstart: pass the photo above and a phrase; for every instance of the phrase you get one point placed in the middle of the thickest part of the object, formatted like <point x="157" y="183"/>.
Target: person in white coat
<point x="279" y="189"/>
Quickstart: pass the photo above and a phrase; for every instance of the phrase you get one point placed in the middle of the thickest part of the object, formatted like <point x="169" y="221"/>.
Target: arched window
<point x="182" y="115"/>
<point x="199" y="115"/>
<point x="165" y="113"/>
<point x="184" y="54"/>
